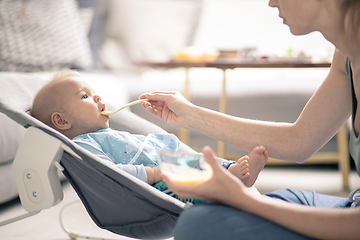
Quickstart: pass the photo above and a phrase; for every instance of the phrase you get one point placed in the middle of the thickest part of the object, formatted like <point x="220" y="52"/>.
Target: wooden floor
<point x="46" y="226"/>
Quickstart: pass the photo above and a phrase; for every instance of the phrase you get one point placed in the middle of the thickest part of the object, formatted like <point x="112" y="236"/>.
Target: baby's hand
<point x="153" y="175"/>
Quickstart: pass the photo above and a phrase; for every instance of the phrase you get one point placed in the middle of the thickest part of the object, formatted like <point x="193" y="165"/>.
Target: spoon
<point x="108" y="113"/>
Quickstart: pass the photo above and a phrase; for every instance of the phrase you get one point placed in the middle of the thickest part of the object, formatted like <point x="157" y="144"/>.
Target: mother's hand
<point x="222" y="187"/>
<point x="171" y="107"/>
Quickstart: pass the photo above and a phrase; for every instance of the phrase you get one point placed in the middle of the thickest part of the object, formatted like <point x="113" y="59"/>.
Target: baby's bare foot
<point x="258" y="157"/>
<point x="241" y="169"/>
<point x="248" y="167"/>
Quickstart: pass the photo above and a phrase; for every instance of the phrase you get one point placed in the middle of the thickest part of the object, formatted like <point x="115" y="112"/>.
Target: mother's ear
<point x="59" y="121"/>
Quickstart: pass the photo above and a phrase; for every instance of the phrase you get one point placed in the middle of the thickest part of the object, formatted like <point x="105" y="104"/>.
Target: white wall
<point x="234" y="24"/>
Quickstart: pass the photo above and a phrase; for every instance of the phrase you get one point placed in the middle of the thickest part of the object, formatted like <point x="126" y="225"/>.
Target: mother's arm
<point x="322" y="117"/>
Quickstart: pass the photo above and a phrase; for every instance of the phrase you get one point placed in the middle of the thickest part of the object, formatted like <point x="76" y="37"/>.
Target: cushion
<point x="142" y="29"/>
<point x="42" y="35"/>
<point x="96" y="29"/>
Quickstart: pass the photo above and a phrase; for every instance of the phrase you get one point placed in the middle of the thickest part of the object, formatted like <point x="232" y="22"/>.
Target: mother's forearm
<point x="280" y="139"/>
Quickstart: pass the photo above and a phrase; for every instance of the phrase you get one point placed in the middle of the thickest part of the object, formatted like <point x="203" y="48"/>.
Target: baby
<point x="70" y="106"/>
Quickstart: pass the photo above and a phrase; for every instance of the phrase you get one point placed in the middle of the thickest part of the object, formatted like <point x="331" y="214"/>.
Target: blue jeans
<point x="215" y="221"/>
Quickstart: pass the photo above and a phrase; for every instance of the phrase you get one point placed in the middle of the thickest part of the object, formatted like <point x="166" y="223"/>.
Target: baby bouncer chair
<point x="114" y="199"/>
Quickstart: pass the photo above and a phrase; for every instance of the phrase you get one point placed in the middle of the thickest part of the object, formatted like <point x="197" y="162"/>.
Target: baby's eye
<point x="84" y="96"/>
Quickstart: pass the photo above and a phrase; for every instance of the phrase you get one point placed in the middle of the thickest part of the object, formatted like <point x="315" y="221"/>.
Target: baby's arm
<point x="153" y="175"/>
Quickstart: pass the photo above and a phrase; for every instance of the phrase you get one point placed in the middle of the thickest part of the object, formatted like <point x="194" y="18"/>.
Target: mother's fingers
<point x="160" y="96"/>
<point x="155" y="104"/>
<point x="209" y="155"/>
<point x="154" y="107"/>
<point x="164" y="92"/>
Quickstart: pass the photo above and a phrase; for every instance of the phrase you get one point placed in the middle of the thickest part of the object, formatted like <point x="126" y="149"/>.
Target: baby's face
<point x="82" y="107"/>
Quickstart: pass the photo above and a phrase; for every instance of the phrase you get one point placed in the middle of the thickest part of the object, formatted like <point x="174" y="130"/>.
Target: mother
<point x="238" y="214"/>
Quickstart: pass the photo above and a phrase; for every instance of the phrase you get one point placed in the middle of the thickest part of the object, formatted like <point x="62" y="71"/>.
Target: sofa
<point x="102" y="39"/>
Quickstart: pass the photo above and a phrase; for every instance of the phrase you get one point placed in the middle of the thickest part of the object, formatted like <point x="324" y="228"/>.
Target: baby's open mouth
<point x="103" y="110"/>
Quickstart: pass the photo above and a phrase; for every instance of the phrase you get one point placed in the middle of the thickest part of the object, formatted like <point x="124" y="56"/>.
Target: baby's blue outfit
<point x="119" y="148"/>
<point x="131" y="153"/>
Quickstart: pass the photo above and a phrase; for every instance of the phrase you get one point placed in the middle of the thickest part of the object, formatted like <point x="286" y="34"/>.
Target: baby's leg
<point x="248" y="167"/>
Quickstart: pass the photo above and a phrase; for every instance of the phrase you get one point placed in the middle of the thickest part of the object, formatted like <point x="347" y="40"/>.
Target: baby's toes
<point x="243" y="158"/>
<point x="244" y="163"/>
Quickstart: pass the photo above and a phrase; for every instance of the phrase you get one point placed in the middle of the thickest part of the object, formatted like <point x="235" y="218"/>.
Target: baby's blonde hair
<point x="48" y="99"/>
<point x="65" y="74"/>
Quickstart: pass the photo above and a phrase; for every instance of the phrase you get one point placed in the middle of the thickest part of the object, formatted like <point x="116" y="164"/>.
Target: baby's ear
<point x="59" y="121"/>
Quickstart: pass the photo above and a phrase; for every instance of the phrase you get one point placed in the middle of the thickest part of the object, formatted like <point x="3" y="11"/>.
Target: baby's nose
<point x="97" y="98"/>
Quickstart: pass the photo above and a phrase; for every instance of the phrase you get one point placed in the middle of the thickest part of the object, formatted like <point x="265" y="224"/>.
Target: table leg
<point x="222" y="109"/>
<point x="183" y="132"/>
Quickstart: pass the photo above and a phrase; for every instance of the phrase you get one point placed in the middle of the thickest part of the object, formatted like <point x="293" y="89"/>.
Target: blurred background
<point x="105" y="40"/>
